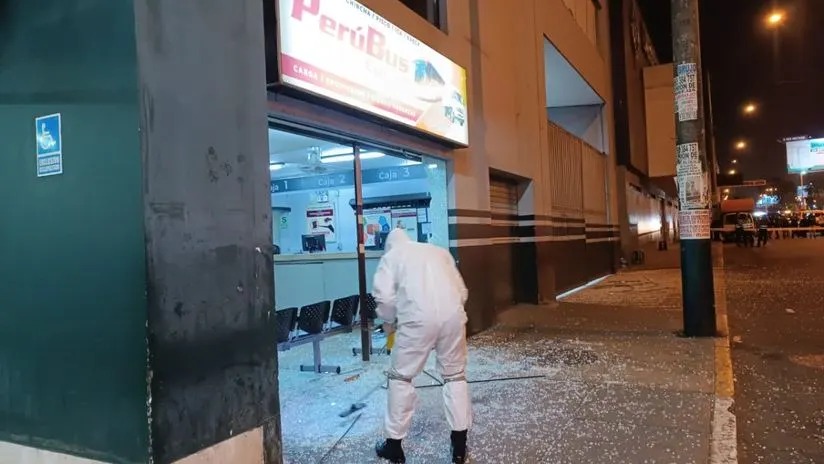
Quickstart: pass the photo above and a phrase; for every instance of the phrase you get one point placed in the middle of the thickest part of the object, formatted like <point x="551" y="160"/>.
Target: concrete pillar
<point x="469" y="195"/>
<point x="213" y="364"/>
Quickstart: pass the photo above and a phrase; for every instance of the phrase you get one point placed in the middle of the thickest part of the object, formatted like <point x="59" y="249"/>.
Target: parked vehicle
<point x="731" y="212"/>
<point x="730" y="220"/>
<point x="816" y="215"/>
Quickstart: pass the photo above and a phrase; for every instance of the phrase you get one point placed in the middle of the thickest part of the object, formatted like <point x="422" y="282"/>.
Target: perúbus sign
<point x="48" y="137"/>
<point x="343" y="51"/>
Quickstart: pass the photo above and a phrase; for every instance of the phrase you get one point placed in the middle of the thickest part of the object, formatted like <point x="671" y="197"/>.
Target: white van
<point x="731" y="219"/>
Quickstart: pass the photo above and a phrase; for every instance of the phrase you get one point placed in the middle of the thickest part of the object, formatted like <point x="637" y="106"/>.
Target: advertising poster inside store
<point x="341" y="50"/>
<point x="376" y="222"/>
<point x="406" y="219"/>
<point x="320" y="220"/>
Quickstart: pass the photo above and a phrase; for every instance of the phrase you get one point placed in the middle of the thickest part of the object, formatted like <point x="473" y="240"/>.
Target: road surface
<point x="776" y="314"/>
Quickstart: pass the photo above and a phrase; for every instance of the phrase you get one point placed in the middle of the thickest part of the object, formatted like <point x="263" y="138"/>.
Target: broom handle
<point x="390" y="341"/>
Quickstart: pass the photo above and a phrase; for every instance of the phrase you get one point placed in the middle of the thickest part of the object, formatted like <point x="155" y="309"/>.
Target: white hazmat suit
<point x="418" y="286"/>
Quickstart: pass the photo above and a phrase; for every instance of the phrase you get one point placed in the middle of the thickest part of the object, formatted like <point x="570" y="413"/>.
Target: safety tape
<point x="392" y="374"/>
<point x="778" y="229"/>
<point x="456" y="377"/>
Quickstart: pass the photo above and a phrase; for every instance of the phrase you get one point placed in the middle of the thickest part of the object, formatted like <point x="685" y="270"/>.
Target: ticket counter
<point x="313" y="211"/>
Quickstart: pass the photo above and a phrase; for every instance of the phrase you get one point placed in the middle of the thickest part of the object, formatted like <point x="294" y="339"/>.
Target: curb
<point x="724" y="438"/>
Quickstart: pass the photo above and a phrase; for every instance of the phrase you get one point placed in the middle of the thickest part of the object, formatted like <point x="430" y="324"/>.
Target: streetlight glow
<point x="741" y="145"/>
<point x="775" y="18"/>
<point x="732" y="172"/>
<point x="735" y="161"/>
<point x="750" y="108"/>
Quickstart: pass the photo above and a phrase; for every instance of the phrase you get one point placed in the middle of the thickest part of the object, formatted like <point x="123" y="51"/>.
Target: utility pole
<point x="365" y="325"/>
<point x="712" y="153"/>
<point x="693" y="173"/>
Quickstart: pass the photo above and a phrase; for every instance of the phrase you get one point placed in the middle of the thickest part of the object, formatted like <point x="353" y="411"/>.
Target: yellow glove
<point x="390" y="341"/>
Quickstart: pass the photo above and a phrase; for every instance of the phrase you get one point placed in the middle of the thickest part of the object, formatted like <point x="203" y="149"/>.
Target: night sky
<point x="738" y="51"/>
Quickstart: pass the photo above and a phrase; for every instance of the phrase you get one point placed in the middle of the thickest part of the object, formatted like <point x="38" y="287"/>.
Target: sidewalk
<point x="598" y="378"/>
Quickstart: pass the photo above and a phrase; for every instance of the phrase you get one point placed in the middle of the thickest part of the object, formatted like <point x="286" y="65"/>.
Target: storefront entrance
<point x="322" y="298"/>
<point x="314" y="226"/>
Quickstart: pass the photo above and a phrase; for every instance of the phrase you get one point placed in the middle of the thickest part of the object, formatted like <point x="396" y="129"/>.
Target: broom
<point x="355" y="407"/>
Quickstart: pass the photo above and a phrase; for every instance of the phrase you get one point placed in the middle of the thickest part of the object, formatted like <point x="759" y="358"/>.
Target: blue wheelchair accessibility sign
<point x="49" y="140"/>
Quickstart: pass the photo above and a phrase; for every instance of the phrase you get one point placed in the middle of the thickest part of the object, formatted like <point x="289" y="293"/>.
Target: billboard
<point x="343" y="51"/>
<point x="805" y="155"/>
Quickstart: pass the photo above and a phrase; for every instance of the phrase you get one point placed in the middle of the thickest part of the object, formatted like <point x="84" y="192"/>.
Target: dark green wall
<point x="72" y="263"/>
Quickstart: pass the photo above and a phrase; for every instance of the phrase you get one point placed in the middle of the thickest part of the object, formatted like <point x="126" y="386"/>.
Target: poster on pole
<point x="688" y="159"/>
<point x="692" y="181"/>
<point x="686" y="92"/>
<point x="694" y="224"/>
<point x="693" y="191"/>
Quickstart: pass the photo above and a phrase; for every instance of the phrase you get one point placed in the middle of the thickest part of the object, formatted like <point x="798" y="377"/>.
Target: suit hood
<point x="395" y="239"/>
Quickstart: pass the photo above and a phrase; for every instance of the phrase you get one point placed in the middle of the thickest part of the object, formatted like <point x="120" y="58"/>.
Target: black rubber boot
<point x="391" y="450"/>
<point x="458" y="447"/>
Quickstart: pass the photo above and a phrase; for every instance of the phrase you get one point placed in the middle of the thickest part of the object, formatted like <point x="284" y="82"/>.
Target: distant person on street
<point x="763" y="233"/>
<point x="421" y="294"/>
<point x="739" y="231"/>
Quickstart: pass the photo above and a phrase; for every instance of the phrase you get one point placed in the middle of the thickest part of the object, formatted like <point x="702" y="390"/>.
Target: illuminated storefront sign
<point x="343" y="51"/>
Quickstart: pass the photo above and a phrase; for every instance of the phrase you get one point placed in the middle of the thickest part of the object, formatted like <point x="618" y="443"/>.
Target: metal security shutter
<point x="503" y="196"/>
<point x="503" y="200"/>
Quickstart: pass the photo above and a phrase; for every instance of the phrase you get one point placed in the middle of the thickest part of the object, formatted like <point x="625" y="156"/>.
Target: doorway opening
<point x="324" y="262"/>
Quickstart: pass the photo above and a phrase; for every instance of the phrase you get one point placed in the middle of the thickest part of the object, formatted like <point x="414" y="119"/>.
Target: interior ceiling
<point x="564" y="85"/>
<point x="292" y="150"/>
<point x="285" y="147"/>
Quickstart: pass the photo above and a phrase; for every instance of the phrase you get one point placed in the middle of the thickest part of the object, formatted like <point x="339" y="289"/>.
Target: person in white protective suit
<point x="421" y="294"/>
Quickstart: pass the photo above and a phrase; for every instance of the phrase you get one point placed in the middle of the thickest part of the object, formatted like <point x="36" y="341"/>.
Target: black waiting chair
<point x="286" y="320"/>
<point x="343" y="311"/>
<point x="313" y="323"/>
<point x="368" y="309"/>
<point x="312" y="318"/>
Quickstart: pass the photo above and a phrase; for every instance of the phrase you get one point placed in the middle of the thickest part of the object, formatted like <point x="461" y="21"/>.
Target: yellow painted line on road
<point x="724" y="442"/>
<point x="724" y="384"/>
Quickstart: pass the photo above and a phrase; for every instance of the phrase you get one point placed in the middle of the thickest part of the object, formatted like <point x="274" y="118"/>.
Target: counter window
<point x="403" y="191"/>
<point x="314" y="225"/>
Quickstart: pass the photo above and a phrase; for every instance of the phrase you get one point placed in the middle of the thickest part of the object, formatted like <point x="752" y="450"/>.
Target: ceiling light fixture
<point x="341" y="158"/>
<point x="336" y="151"/>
